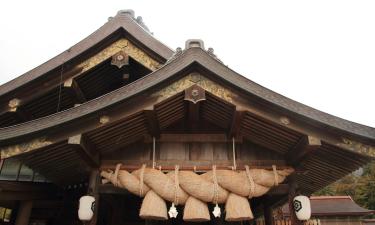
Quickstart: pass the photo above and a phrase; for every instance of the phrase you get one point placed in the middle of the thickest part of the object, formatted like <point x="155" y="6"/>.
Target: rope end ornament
<point x="217" y="211"/>
<point x="173" y="211"/>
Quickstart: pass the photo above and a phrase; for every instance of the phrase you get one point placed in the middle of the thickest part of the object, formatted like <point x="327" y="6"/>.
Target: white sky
<point x="320" y="53"/>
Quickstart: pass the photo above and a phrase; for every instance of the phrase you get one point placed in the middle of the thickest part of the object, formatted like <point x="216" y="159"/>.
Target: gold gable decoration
<point x="195" y="79"/>
<point x="14" y="150"/>
<point x="121" y="45"/>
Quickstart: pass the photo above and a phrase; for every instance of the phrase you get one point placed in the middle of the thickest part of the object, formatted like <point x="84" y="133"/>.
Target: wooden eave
<point x="72" y="140"/>
<point x="119" y="24"/>
<point x="335" y="130"/>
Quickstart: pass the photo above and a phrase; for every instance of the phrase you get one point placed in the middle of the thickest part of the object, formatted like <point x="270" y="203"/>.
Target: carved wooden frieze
<point x="122" y="45"/>
<point x="358" y="147"/>
<point x="198" y="80"/>
<point x="17" y="149"/>
<point x="195" y="94"/>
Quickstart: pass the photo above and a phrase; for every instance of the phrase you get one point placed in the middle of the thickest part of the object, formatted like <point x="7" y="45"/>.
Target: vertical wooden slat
<point x="93" y="190"/>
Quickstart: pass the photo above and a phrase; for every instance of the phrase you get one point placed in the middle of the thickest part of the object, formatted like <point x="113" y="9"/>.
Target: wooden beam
<point x="73" y="89"/>
<point x="193" y="115"/>
<point x="292" y="193"/>
<point x="85" y="149"/>
<point x="268" y="213"/>
<point x="110" y="189"/>
<point x="93" y="190"/>
<point x="196" y="165"/>
<point x="24" y="212"/>
<point x="235" y="127"/>
<point x="281" y="189"/>
<point x="306" y="145"/>
<point x="23" y="196"/>
<point x="197" y="138"/>
<point x="152" y="123"/>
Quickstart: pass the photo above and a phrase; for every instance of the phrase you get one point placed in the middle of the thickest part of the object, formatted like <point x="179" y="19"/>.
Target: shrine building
<point x="121" y="129"/>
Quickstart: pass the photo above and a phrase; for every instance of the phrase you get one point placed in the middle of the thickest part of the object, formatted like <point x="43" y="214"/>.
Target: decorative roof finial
<point x="194" y="43"/>
<point x="128" y="12"/>
<point x="210" y="51"/>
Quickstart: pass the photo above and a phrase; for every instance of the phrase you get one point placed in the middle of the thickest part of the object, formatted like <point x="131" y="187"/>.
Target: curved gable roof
<point x="194" y="55"/>
<point x="122" y="20"/>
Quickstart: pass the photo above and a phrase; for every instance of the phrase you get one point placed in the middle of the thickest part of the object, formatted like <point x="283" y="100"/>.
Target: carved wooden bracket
<point x="195" y="94"/>
<point x="120" y="59"/>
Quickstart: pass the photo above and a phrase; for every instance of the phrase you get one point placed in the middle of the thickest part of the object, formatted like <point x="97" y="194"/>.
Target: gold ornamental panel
<point x="191" y="79"/>
<point x="120" y="45"/>
<point x="14" y="150"/>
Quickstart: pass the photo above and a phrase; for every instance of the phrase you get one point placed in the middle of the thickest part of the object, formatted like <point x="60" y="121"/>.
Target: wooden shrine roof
<point x="122" y="22"/>
<point x="201" y="60"/>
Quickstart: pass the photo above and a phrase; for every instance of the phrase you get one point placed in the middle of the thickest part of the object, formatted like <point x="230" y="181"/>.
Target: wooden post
<point x="292" y="193"/>
<point x="268" y="215"/>
<point x="24" y="212"/>
<point x="94" y="191"/>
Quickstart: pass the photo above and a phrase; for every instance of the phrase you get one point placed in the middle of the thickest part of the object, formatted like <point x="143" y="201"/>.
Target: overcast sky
<point x="320" y="53"/>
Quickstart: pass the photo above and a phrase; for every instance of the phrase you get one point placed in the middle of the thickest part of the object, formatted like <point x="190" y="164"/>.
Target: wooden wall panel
<point x="173" y="151"/>
<point x="136" y="151"/>
<point x="220" y="151"/>
<point x="201" y="151"/>
<point x="248" y="151"/>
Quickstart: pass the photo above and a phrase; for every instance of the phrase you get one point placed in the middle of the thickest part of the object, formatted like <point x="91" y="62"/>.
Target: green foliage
<point x="360" y="188"/>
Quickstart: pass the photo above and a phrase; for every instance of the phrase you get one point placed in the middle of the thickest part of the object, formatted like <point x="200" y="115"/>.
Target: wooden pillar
<point x="268" y="215"/>
<point x="94" y="191"/>
<point x="24" y="212"/>
<point x="292" y="193"/>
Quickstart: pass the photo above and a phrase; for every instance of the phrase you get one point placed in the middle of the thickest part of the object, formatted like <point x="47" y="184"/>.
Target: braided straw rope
<point x="213" y="186"/>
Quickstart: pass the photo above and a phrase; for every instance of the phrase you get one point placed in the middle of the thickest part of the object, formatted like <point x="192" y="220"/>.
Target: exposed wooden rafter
<point x="198" y="138"/>
<point x="72" y="87"/>
<point x="306" y="145"/>
<point x="235" y="126"/>
<point x="152" y="123"/>
<point x="85" y="149"/>
<point x="193" y="115"/>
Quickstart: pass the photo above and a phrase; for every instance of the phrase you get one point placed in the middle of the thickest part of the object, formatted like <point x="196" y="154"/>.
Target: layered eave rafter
<point x="249" y="96"/>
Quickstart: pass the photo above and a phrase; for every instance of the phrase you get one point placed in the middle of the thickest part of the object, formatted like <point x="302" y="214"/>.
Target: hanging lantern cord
<point x="234" y="154"/>
<point x="153" y="152"/>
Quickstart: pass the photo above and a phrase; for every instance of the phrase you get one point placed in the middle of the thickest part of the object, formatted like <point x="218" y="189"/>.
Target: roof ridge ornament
<point x="131" y="13"/>
<point x="127" y="12"/>
<point x="210" y="51"/>
<point x="175" y="55"/>
<point x="194" y="43"/>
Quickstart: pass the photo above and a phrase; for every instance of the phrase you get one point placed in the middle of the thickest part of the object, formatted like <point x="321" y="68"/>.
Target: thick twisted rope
<point x="251" y="181"/>
<point x="141" y="183"/>
<point x="176" y="184"/>
<point x="180" y="194"/>
<point x="216" y="185"/>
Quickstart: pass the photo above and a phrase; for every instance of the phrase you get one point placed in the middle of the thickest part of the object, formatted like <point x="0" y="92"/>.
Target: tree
<point x="360" y="188"/>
